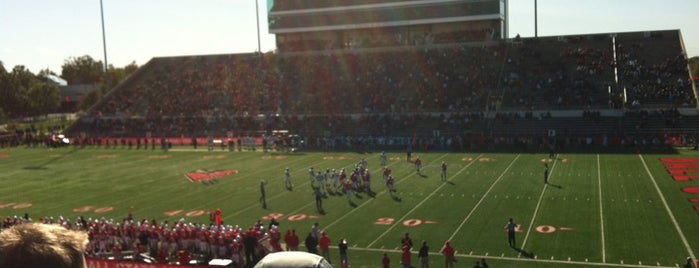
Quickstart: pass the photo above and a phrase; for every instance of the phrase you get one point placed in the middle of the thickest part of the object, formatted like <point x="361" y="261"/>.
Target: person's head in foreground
<point x="34" y="245"/>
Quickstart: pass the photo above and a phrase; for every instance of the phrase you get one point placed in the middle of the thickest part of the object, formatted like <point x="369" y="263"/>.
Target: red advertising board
<point x="100" y="263"/>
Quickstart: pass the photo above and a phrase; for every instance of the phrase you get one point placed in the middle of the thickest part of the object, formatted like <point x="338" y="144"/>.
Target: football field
<point x="598" y="209"/>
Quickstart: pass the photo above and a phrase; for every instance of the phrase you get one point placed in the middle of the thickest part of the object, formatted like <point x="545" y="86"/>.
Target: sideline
<point x="667" y="209"/>
<point x="517" y="259"/>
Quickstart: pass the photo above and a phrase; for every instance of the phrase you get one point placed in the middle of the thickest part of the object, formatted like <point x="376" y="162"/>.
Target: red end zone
<point x="203" y="175"/>
<point x="684" y="170"/>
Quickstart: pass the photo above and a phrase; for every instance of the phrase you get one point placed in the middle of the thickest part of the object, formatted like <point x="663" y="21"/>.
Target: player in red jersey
<point x="391" y="184"/>
<point x="348" y="190"/>
<point x="218" y="217"/>
<point x="183" y="257"/>
<point x="354" y="178"/>
<point x="274" y="238"/>
<point x="237" y="253"/>
<point x="367" y="182"/>
<point x="342" y="177"/>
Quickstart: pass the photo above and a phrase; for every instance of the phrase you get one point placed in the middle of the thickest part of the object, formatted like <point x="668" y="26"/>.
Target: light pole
<point x="257" y="19"/>
<point x="104" y="46"/>
<point x="536" y="19"/>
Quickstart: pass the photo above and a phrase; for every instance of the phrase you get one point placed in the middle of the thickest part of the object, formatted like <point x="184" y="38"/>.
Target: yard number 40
<point x="408" y="222"/>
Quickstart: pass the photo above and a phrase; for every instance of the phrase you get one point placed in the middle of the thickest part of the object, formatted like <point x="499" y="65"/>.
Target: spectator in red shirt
<point x="292" y="241"/>
<point x="324" y="243"/>
<point x="406" y="240"/>
<point x="405" y="257"/>
<point x="448" y="252"/>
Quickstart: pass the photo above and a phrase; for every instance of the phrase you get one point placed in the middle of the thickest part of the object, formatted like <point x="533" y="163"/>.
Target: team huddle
<point x="349" y="183"/>
<point x="332" y="181"/>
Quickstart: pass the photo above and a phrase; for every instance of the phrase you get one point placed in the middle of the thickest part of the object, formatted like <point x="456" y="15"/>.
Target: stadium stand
<point x="654" y="68"/>
<point x="579" y="85"/>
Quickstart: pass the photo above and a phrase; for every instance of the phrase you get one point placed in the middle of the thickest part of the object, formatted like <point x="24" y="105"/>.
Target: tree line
<point x="27" y="94"/>
<point x="694" y="66"/>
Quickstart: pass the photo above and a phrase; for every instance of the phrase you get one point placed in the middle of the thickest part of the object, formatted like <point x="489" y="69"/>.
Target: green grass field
<point x="599" y="210"/>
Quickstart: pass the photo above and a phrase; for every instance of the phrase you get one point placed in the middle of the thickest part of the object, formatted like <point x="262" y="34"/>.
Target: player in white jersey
<point x="311" y="174"/>
<point x="360" y="176"/>
<point x="326" y="178"/>
<point x="287" y="179"/>
<point x="336" y="179"/>
<point x="319" y="181"/>
<point x="384" y="159"/>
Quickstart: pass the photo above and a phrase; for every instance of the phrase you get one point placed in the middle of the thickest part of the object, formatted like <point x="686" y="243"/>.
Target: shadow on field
<point x="524" y="253"/>
<point x="556" y="186"/>
<point x="35" y="168"/>
<point x="51" y="160"/>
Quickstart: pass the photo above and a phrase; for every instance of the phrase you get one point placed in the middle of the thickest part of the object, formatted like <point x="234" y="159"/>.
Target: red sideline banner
<point x="100" y="263"/>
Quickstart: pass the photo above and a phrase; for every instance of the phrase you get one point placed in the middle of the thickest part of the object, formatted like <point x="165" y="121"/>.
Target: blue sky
<point x="44" y="33"/>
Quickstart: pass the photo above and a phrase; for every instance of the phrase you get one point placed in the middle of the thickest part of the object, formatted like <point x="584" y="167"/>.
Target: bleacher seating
<point x="399" y="91"/>
<point x="571" y="72"/>
<point x="653" y="68"/>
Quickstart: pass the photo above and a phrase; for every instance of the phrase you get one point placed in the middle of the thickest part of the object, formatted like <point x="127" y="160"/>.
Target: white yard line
<point x="538" y="204"/>
<point x="667" y="209"/>
<point x="482" y="198"/>
<point x="419" y="204"/>
<point x="601" y="213"/>
<point x="338" y="220"/>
